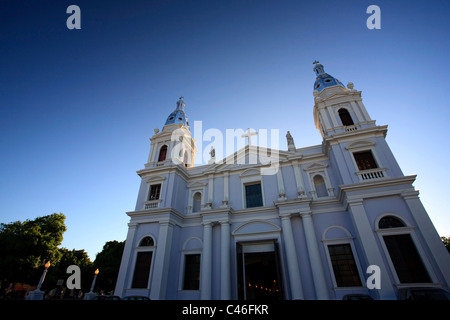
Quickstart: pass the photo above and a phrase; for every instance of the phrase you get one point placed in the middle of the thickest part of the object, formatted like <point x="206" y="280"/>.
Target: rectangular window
<point x="344" y="265"/>
<point x="142" y="269"/>
<point x="406" y="259"/>
<point x="365" y="160"/>
<point x="253" y="195"/>
<point x="155" y="191"/>
<point x="191" y="272"/>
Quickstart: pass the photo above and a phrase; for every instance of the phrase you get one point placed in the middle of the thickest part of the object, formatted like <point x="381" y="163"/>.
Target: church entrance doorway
<point x="259" y="276"/>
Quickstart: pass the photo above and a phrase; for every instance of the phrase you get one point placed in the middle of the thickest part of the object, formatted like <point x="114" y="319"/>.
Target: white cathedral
<point x="310" y="230"/>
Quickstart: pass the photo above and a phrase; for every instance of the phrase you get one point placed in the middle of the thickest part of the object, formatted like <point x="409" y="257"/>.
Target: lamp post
<point x="91" y="295"/>
<point x="47" y="265"/>
<point x="93" y="281"/>
<point x="38" y="294"/>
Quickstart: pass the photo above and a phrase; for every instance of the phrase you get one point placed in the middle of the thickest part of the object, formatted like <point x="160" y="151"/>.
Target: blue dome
<point x="178" y="115"/>
<point x="324" y="80"/>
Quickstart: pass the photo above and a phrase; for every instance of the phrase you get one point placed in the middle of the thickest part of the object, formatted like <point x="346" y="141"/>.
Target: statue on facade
<point x="212" y="153"/>
<point x="290" y="141"/>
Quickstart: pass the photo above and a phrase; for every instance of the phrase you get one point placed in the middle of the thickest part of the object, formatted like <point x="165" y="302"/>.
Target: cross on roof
<point x="315" y="62"/>
<point x="249" y="136"/>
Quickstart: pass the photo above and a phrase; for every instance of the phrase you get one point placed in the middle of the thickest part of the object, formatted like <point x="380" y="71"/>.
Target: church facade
<point x="319" y="226"/>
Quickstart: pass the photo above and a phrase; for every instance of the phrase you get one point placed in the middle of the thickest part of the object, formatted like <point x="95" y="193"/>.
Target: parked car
<point x="134" y="298"/>
<point x="423" y="293"/>
<point x="357" y="296"/>
<point x="107" y="297"/>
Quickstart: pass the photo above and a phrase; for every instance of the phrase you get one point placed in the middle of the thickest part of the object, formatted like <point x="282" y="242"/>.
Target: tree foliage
<point x="446" y="241"/>
<point x="59" y="270"/>
<point x="26" y="246"/>
<point x="108" y="263"/>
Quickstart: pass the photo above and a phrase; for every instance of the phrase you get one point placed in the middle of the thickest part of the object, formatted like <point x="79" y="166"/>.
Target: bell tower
<point x="337" y="109"/>
<point x="353" y="141"/>
<point x="174" y="143"/>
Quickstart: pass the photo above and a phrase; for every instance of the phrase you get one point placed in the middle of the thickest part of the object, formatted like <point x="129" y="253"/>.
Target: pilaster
<point x="162" y="259"/>
<point x="370" y="247"/>
<point x="314" y="256"/>
<point x="291" y="257"/>
<point x="225" y="268"/>
<point x="125" y="263"/>
<point x="206" y="263"/>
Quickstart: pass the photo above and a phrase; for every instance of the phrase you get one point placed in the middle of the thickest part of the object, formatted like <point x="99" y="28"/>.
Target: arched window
<point x="143" y="263"/>
<point x="319" y="185"/>
<point x="345" y="117"/>
<point x="162" y="153"/>
<point x="147" y="242"/>
<point x="197" y="202"/>
<point x="402" y="250"/>
<point x="390" y="222"/>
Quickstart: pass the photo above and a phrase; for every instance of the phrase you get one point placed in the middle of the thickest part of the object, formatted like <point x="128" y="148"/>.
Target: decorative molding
<point x="197" y="184"/>
<point x="316" y="166"/>
<point x="341" y="229"/>
<point x="265" y="227"/>
<point x="250" y="172"/>
<point x="157" y="178"/>
<point x="360" y="144"/>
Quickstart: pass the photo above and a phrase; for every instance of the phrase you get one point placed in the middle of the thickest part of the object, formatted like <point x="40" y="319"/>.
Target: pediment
<point x="197" y="184"/>
<point x="360" y="144"/>
<point x="256" y="226"/>
<point x="250" y="156"/>
<point x="250" y="172"/>
<point x="316" y="166"/>
<point x="155" y="179"/>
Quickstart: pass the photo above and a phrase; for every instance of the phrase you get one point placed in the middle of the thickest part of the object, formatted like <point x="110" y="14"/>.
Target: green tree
<point x="108" y="263"/>
<point x="446" y="241"/>
<point x="59" y="271"/>
<point x="26" y="246"/>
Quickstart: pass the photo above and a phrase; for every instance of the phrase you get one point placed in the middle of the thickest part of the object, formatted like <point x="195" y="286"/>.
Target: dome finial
<point x="181" y="103"/>
<point x="318" y="68"/>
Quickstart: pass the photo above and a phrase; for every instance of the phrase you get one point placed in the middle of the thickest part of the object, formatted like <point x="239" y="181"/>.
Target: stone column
<point x="162" y="257"/>
<point x="210" y="191"/>
<point x="371" y="250"/>
<point x="314" y="257"/>
<point x="225" y="200"/>
<point x="291" y="256"/>
<point x="298" y="179"/>
<point x="280" y="183"/>
<point x="225" y="271"/>
<point x="122" y="278"/>
<point x="206" y="263"/>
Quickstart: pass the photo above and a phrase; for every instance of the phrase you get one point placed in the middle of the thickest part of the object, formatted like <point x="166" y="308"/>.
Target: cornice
<point x="344" y="190"/>
<point x="168" y="168"/>
<point x="161" y="215"/>
<point x="359" y="134"/>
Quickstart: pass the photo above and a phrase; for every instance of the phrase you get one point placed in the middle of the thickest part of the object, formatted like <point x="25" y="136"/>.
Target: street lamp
<point x="91" y="295"/>
<point x="93" y="281"/>
<point x="38" y="294"/>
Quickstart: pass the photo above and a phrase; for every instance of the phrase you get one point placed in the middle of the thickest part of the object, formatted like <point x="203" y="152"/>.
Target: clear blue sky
<point x="77" y="107"/>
